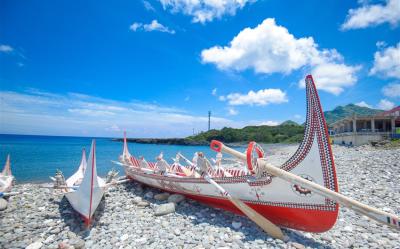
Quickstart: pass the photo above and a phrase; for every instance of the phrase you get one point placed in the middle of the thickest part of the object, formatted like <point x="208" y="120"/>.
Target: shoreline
<point x="127" y="218"/>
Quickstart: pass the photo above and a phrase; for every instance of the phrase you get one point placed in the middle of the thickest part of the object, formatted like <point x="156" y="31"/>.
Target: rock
<point x="124" y="237"/>
<point x="35" y="245"/>
<point x="137" y="199"/>
<point x="165" y="209"/>
<point x="348" y="229"/>
<point x="143" y="204"/>
<point x="141" y="241"/>
<point x="161" y="197"/>
<point x="149" y="195"/>
<point x="64" y="245"/>
<point x="78" y="243"/>
<point x="175" y="198"/>
<point x="3" y="204"/>
<point x="298" y="245"/>
<point x="236" y="224"/>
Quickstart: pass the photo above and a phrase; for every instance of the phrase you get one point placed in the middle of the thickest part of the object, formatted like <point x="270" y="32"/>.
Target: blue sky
<point x="155" y="68"/>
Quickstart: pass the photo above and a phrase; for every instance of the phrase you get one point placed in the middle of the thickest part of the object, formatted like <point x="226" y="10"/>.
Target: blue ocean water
<point x="35" y="158"/>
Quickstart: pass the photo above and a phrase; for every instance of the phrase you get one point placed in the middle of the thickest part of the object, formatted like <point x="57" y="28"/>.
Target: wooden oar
<point x="269" y="227"/>
<point x="195" y="174"/>
<point x="375" y="214"/>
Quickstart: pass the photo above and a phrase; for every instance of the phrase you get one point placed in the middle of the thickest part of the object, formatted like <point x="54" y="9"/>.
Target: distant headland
<point x="287" y="132"/>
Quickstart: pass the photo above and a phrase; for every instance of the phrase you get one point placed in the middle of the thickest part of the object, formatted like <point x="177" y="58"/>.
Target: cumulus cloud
<point x="363" y="104"/>
<point x="391" y="90"/>
<point x="387" y="62"/>
<point x="373" y="15"/>
<point x="204" y="11"/>
<point x="260" y="98"/>
<point x="385" y="104"/>
<point x="5" y="48"/>
<point x="270" y="48"/>
<point x="153" y="26"/>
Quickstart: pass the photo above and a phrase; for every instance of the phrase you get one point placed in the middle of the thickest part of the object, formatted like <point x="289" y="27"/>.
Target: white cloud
<point x="38" y="112"/>
<point x="333" y="77"/>
<point x="363" y="104"/>
<point x="269" y="123"/>
<point x="260" y="98"/>
<point x="214" y="91"/>
<point x="232" y="111"/>
<point x="135" y="26"/>
<point x="204" y="11"/>
<point x="381" y="44"/>
<point x="387" y="62"/>
<point x="373" y="15"/>
<point x="391" y="90"/>
<point x="153" y="26"/>
<point x="385" y="104"/>
<point x="147" y="5"/>
<point x="5" y="48"/>
<point x="270" y="48"/>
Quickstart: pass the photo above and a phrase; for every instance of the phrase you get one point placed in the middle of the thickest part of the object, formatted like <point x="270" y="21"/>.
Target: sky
<point x="155" y="68"/>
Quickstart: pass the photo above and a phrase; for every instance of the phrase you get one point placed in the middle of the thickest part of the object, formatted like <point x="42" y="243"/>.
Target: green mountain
<point x="289" y="122"/>
<point x="341" y="112"/>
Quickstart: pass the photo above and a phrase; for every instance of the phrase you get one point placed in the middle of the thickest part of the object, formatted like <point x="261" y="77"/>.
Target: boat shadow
<point x="201" y="214"/>
<point x="75" y="221"/>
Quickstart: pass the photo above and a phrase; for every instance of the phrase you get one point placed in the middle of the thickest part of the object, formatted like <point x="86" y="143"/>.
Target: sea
<point x="36" y="158"/>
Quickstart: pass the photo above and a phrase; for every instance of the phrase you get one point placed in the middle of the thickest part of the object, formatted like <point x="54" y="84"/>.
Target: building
<point x="358" y="130"/>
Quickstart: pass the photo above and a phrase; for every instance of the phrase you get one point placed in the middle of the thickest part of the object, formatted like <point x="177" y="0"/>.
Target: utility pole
<point x="209" y="120"/>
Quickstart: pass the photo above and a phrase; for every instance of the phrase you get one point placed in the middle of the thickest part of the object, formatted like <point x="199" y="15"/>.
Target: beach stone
<point x="236" y="224"/>
<point x="165" y="209"/>
<point x="137" y="199"/>
<point x="35" y="245"/>
<point x="149" y="195"/>
<point x="78" y="243"/>
<point x="161" y="197"/>
<point x="124" y="237"/>
<point x="298" y="245"/>
<point x="175" y="198"/>
<point x="143" y="204"/>
<point x="3" y="204"/>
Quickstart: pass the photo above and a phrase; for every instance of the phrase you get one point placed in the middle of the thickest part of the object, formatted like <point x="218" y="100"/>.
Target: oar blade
<point x="269" y="227"/>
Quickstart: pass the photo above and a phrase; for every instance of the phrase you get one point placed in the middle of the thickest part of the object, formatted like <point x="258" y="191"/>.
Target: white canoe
<point x="85" y="188"/>
<point x="6" y="177"/>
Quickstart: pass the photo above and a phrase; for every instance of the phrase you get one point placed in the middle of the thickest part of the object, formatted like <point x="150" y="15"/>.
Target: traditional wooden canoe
<point x="84" y="189"/>
<point x="283" y="203"/>
<point x="6" y="177"/>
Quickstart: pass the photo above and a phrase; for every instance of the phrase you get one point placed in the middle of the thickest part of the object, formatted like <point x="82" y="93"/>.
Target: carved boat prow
<point x="283" y="203"/>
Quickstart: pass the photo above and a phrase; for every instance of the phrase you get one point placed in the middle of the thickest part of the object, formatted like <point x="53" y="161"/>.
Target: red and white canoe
<point x="84" y="188"/>
<point x="6" y="177"/>
<point x="281" y="202"/>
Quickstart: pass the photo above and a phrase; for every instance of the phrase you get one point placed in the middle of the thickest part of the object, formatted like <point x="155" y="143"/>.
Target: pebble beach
<point x="135" y="216"/>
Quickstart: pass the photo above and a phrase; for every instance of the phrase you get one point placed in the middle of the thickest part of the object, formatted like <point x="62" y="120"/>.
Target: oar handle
<point x="220" y="147"/>
<point x="373" y="213"/>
